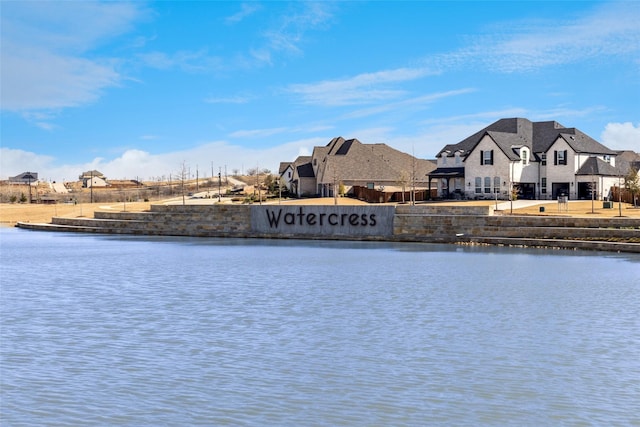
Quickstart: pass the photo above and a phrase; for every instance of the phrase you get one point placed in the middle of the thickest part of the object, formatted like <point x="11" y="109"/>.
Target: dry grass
<point x="582" y="208"/>
<point x="10" y="213"/>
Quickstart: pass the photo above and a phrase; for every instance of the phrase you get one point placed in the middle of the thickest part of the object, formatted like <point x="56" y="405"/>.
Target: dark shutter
<point x="555" y="157"/>
<point x="491" y="157"/>
<point x="481" y="157"/>
<point x="565" y="157"/>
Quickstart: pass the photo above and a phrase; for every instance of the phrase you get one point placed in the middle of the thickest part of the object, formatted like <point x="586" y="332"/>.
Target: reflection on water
<point x="124" y="330"/>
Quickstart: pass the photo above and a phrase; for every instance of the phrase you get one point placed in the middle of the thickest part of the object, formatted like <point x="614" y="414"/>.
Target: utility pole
<point x="619" y="194"/>
<point x="219" y="184"/>
<point x="258" y="183"/>
<point x="335" y="193"/>
<point x="91" y="185"/>
<point x="29" y="180"/>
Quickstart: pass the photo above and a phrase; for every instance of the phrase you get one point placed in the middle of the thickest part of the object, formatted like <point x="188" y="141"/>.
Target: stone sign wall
<point x="323" y="220"/>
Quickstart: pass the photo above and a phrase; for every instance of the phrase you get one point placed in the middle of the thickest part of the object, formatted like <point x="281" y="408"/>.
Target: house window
<point x="607" y="159"/>
<point x="289" y="174"/>
<point x="524" y="154"/>
<point x="496" y="184"/>
<point x="458" y="160"/>
<point x="543" y="159"/>
<point x="486" y="157"/>
<point x="560" y="157"/>
<point x="444" y="160"/>
<point x="543" y="186"/>
<point x="478" y="185"/>
<point x="487" y="184"/>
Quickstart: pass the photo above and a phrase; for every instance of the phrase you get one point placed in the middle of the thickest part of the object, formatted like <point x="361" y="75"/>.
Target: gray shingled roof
<point x="305" y="170"/>
<point x="597" y="166"/>
<point x="353" y="160"/>
<point x="538" y="136"/>
<point x="283" y="167"/>
<point x="583" y="143"/>
<point x="627" y="159"/>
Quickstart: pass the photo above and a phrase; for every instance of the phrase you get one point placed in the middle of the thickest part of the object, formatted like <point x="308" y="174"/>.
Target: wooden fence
<point x="371" y="195"/>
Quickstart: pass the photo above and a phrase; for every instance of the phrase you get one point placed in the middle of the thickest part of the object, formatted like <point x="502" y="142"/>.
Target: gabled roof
<point x="597" y="166"/>
<point x="89" y="174"/>
<point x="26" y="176"/>
<point x="350" y="159"/>
<point x="583" y="143"/>
<point x="507" y="141"/>
<point x="626" y="160"/>
<point x="519" y="132"/>
<point x="283" y="167"/>
<point x="515" y="126"/>
<point x="305" y="170"/>
<point x="302" y="165"/>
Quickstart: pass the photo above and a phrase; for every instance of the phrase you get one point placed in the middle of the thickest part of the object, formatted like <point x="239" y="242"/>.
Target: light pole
<point x="29" y="181"/>
<point x="619" y="195"/>
<point x="91" y="185"/>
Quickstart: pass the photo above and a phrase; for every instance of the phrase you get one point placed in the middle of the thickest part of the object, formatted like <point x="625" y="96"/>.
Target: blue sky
<point x="136" y="89"/>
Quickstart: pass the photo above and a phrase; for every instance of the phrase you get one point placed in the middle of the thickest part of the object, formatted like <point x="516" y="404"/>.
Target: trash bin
<point x="607" y="205"/>
<point x="541" y="208"/>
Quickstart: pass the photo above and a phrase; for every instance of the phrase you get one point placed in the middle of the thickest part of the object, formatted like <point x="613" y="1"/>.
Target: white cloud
<point x="247" y="9"/>
<point x="35" y="79"/>
<point x="238" y="99"/>
<point x="608" y="30"/>
<point x="190" y="61"/>
<point x="257" y="133"/>
<point x="361" y="89"/>
<point x="303" y="17"/>
<point x="14" y="162"/>
<point x="621" y="136"/>
<point x="419" y="101"/>
<point x="45" y="65"/>
<point x="132" y="164"/>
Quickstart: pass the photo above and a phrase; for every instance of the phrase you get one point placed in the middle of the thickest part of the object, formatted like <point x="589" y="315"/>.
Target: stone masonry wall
<point x="410" y="223"/>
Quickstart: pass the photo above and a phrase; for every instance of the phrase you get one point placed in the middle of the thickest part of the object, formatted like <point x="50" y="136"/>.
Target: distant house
<point x="93" y="179"/>
<point x="298" y="176"/>
<point x="350" y="163"/>
<point x="542" y="160"/>
<point x="24" y="178"/>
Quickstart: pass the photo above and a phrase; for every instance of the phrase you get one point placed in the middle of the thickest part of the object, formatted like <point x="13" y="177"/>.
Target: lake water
<point x="123" y="330"/>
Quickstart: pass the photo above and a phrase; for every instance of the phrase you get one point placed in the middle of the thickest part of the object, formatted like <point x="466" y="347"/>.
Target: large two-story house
<point x="541" y="160"/>
<point x="350" y="163"/>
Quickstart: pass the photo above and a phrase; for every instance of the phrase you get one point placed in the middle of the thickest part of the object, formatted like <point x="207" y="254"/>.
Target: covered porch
<point x="445" y="177"/>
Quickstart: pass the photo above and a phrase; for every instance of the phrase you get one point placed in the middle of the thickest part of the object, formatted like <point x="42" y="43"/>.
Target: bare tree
<point x="632" y="184"/>
<point x="403" y="180"/>
<point x="183" y="175"/>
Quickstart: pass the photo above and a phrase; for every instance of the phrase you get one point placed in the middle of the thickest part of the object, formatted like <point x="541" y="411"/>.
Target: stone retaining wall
<point x="423" y="223"/>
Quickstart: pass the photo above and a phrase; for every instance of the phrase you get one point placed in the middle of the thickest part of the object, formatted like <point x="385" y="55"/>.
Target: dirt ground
<point x="12" y="213"/>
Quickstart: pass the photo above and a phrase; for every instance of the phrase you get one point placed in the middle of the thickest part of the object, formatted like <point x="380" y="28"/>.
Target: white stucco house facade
<point x="535" y="160"/>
